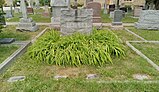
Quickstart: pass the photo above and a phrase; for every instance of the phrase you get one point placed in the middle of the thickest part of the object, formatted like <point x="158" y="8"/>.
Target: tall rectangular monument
<point x="56" y="6"/>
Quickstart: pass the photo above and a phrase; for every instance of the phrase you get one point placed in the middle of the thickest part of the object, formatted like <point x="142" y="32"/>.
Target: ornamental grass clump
<point x="78" y="49"/>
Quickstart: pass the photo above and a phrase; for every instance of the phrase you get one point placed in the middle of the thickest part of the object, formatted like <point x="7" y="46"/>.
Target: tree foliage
<point x="155" y="2"/>
<point x="2" y="2"/>
<point x="1" y="13"/>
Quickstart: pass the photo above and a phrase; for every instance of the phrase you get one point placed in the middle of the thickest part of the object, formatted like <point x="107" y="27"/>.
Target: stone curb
<point x="144" y="42"/>
<point x="135" y="34"/>
<point x="126" y="81"/>
<point x="143" y="56"/>
<point x="41" y="33"/>
<point x="24" y="45"/>
<point x="6" y="63"/>
<point x="94" y="24"/>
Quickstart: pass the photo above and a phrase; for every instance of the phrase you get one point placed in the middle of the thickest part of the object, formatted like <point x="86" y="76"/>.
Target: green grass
<point x="6" y="51"/>
<point x="39" y="76"/>
<point x="37" y="17"/>
<point x="146" y="34"/>
<point x="127" y="19"/>
<point x="37" y="84"/>
<point x="10" y="32"/>
<point x="126" y="36"/>
<point x="150" y="50"/>
<point x="105" y="18"/>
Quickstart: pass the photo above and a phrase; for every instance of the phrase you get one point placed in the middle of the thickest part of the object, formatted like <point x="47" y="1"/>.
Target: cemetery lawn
<point x="146" y="34"/>
<point x="150" y="50"/>
<point x="127" y="19"/>
<point x="37" y="17"/>
<point x="10" y="32"/>
<point x="6" y="51"/>
<point x="40" y="77"/>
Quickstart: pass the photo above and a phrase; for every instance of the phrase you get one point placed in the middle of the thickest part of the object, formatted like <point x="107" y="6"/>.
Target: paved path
<point x="95" y="24"/>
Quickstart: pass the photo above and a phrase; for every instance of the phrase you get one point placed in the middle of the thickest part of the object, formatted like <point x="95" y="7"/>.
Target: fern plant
<point x="78" y="49"/>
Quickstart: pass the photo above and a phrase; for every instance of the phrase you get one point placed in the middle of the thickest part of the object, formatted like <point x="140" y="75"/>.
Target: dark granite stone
<point x="6" y="40"/>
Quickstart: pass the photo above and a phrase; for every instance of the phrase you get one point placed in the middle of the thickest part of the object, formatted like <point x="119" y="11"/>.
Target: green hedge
<point x="78" y="49"/>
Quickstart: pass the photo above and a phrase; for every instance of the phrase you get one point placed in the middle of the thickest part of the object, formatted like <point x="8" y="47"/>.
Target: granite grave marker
<point x="96" y="11"/>
<point x="56" y="6"/>
<point x="149" y="19"/>
<point x="26" y="23"/>
<point x="80" y="22"/>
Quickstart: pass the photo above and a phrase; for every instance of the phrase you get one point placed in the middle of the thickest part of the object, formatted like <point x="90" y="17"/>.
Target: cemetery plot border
<point x="141" y="54"/>
<point x="23" y="46"/>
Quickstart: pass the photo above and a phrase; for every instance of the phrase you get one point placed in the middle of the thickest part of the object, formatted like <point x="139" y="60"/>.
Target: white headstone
<point x="149" y="19"/>
<point x="56" y="6"/>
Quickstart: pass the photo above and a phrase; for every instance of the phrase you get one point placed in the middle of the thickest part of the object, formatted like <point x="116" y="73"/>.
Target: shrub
<point x="77" y="49"/>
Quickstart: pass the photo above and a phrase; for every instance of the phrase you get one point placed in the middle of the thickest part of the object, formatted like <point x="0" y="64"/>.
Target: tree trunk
<point x="157" y="4"/>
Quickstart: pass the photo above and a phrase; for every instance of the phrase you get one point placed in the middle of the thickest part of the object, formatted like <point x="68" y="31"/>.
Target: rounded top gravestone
<point x="59" y="2"/>
<point x="96" y="8"/>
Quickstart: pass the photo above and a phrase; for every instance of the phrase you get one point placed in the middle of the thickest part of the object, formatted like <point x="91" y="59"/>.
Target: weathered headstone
<point x="57" y="77"/>
<point x="111" y="14"/>
<point x="88" y="1"/>
<point x="149" y="19"/>
<point x="96" y="11"/>
<point x="30" y="10"/>
<point x="8" y="14"/>
<point x="117" y="19"/>
<point x="56" y="6"/>
<point x="37" y="4"/>
<point x="92" y="76"/>
<point x="46" y="11"/>
<point x="16" y="10"/>
<point x="26" y="23"/>
<point x="137" y="11"/>
<point x="80" y="22"/>
<point x="16" y="78"/>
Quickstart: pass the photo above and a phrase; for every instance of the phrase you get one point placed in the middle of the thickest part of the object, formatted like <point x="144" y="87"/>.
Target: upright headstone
<point x="56" y="6"/>
<point x="80" y="21"/>
<point x="30" y="10"/>
<point x="111" y="14"/>
<point x="88" y="1"/>
<point x="46" y="11"/>
<point x="117" y="19"/>
<point x="96" y="11"/>
<point x="37" y="4"/>
<point x="137" y="11"/>
<point x="8" y="14"/>
<point x="26" y="23"/>
<point x="149" y="19"/>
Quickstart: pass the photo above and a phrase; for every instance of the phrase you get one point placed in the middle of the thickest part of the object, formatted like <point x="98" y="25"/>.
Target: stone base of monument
<point x="147" y="26"/>
<point x="27" y="25"/>
<point x="96" y="19"/>
<point x="117" y="27"/>
<point x="149" y="19"/>
<point x="55" y="22"/>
